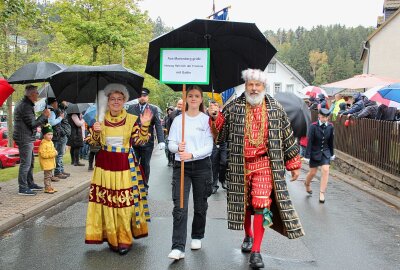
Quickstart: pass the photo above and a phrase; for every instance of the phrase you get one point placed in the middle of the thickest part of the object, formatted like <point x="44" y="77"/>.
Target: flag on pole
<point x="221" y="15"/>
<point x="227" y="94"/>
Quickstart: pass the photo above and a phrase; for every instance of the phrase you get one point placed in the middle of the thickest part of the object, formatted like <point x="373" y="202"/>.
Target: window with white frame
<point x="271" y="67"/>
<point x="277" y="88"/>
<point x="290" y="88"/>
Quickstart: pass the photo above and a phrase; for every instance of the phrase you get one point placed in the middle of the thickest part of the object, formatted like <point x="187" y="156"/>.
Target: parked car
<point x="9" y="157"/>
<point x="3" y="124"/>
<point x="4" y="139"/>
<point x="3" y="136"/>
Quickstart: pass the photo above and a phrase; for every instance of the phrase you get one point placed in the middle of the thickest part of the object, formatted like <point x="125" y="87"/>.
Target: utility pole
<point x="122" y="56"/>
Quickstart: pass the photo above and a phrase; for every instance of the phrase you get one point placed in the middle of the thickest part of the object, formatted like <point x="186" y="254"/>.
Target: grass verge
<point x="9" y="173"/>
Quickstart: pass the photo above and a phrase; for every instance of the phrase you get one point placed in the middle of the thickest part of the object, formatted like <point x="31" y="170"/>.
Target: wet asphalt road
<point x="352" y="230"/>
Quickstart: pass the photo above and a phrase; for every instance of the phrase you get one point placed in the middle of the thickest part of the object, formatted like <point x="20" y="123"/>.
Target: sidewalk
<point x="361" y="185"/>
<point x="15" y="208"/>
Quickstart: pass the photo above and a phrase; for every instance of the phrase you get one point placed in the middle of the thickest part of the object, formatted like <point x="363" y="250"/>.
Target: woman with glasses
<point x="118" y="210"/>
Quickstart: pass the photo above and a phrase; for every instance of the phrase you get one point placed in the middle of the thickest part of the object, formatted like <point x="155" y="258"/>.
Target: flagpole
<point x="208" y="17"/>
<point x="182" y="187"/>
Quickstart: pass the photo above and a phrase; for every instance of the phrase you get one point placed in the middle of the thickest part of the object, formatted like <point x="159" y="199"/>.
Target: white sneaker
<point x="176" y="254"/>
<point x="196" y="244"/>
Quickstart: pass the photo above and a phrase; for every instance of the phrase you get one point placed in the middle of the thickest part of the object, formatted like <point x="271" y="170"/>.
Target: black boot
<point x="123" y="251"/>
<point x="247" y="244"/>
<point x="256" y="260"/>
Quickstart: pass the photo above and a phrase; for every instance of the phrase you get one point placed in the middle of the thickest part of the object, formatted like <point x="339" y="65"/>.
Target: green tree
<point x="317" y="59"/>
<point x="323" y="75"/>
<point x="160" y="28"/>
<point x="16" y="20"/>
<point x="106" y="26"/>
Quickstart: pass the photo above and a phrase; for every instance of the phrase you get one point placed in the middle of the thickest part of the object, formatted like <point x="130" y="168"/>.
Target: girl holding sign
<point x="195" y="151"/>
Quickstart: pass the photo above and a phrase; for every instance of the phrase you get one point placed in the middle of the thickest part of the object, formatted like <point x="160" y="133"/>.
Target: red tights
<point x="257" y="227"/>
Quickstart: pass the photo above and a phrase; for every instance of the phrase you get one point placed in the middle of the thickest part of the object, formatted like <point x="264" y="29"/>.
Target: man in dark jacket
<point x="166" y="126"/>
<point x="370" y="110"/>
<point x="322" y="101"/>
<point x="25" y="124"/>
<point x="61" y="129"/>
<point x="143" y="153"/>
<point x="175" y="113"/>
<point x="357" y="106"/>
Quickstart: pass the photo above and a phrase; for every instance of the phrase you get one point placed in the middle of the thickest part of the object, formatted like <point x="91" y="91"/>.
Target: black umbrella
<point x="35" y="72"/>
<point x="46" y="92"/>
<point x="297" y="111"/>
<point x="77" y="108"/>
<point x="80" y="84"/>
<point x="234" y="46"/>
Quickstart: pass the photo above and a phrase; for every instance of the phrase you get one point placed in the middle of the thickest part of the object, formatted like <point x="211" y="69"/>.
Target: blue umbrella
<point x="391" y="92"/>
<point x="90" y="115"/>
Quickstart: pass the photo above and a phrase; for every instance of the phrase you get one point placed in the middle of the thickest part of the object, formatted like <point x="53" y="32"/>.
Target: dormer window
<point x="271" y="67"/>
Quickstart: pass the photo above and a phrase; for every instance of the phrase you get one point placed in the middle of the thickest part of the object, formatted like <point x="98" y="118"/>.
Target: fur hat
<point x="47" y="129"/>
<point x="254" y="74"/>
<point x="116" y="87"/>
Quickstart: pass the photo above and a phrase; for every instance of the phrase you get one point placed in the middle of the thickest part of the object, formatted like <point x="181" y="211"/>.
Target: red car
<point x="4" y="139"/>
<point x="8" y="157"/>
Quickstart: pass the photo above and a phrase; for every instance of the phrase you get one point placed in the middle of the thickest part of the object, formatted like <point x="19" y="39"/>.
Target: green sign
<point x="185" y="65"/>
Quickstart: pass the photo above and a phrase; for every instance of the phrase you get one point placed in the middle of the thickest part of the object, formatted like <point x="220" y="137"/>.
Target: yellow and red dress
<point x="118" y="209"/>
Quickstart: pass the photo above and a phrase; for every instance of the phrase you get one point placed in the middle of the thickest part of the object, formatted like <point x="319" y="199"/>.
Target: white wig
<point x="116" y="87"/>
<point x="254" y="74"/>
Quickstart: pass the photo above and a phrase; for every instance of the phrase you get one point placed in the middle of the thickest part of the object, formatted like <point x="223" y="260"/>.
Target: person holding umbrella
<point x="61" y="131"/>
<point x="261" y="148"/>
<point x="195" y="151"/>
<point x="117" y="210"/>
<point x="25" y="124"/>
<point x="319" y="152"/>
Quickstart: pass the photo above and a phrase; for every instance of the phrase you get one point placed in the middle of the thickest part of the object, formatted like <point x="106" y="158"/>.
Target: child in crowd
<point x="47" y="154"/>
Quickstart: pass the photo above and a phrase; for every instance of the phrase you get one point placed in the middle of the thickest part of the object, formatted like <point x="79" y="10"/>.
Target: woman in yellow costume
<point x="117" y="210"/>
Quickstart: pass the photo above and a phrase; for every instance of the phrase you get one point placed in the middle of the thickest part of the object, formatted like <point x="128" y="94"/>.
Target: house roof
<point x="294" y="73"/>
<point x="380" y="28"/>
<point x="391" y="4"/>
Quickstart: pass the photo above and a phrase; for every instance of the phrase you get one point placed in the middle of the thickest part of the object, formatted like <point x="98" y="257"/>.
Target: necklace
<point x="111" y="124"/>
<point x="249" y="124"/>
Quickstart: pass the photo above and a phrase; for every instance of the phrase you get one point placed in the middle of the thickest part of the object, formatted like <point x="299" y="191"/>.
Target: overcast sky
<point x="270" y="14"/>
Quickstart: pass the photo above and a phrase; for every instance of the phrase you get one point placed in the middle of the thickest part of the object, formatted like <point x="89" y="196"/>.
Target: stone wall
<point x="365" y="172"/>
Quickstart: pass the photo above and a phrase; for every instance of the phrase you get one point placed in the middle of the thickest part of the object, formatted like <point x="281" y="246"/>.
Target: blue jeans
<point x="60" y="147"/>
<point x="25" y="173"/>
<point x="84" y="151"/>
<point x="197" y="174"/>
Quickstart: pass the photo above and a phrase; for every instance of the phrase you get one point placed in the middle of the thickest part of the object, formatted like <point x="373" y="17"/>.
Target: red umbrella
<point x="362" y="81"/>
<point x="5" y="90"/>
<point x="313" y="91"/>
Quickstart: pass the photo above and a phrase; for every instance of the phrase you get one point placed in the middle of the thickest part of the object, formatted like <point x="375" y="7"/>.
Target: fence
<point x="375" y="142"/>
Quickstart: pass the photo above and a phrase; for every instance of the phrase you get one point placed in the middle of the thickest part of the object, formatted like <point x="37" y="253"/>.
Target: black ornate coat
<point x="281" y="147"/>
